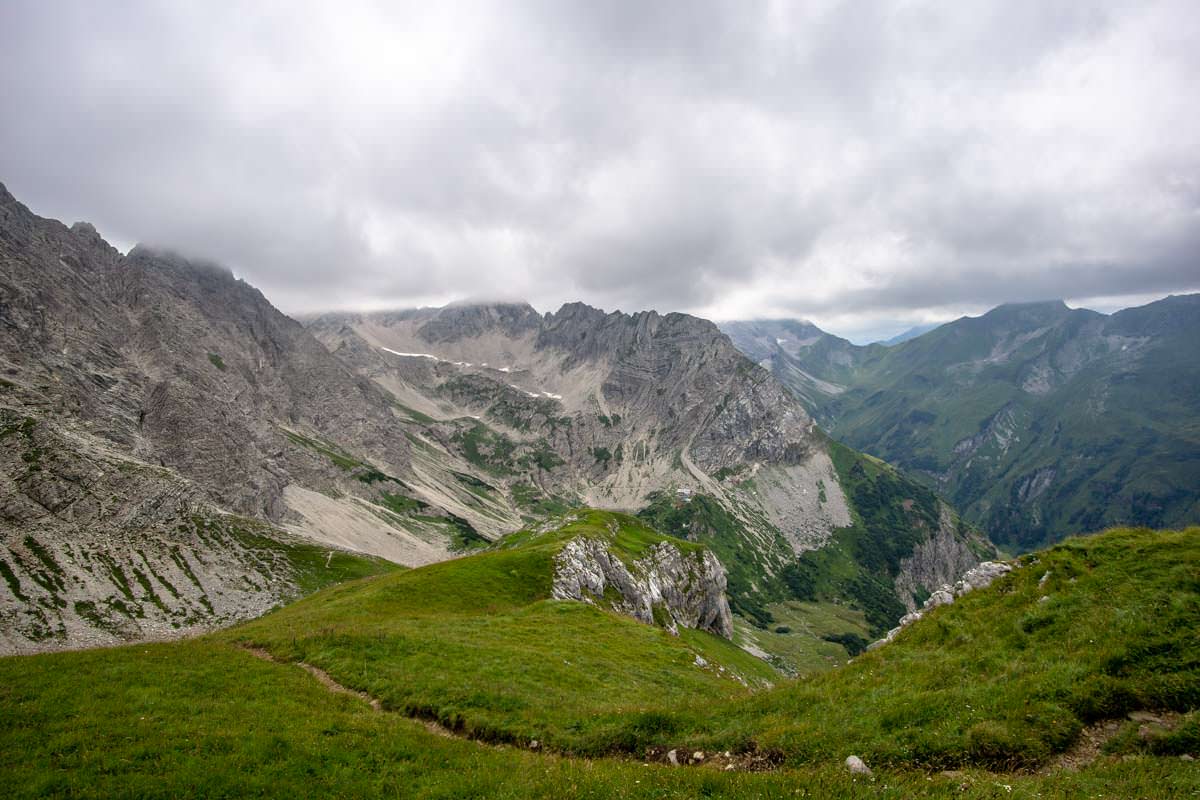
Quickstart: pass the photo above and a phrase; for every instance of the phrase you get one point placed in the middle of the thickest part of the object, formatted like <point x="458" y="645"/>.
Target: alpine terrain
<point x="179" y="454"/>
<point x="1036" y="420"/>
<point x="482" y="551"/>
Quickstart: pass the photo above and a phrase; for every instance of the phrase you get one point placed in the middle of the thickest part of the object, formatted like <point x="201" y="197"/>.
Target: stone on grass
<point x="856" y="765"/>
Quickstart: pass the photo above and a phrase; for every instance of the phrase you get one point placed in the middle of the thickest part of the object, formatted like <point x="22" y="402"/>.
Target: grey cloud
<point x="864" y="160"/>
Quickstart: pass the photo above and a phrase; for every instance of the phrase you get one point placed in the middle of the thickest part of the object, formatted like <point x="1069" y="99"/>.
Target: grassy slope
<point x="1001" y="678"/>
<point x="478" y="644"/>
<point x="998" y="678"/>
<point x="202" y="719"/>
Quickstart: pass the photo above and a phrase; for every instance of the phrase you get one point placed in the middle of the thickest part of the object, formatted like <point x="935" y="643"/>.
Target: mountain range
<point x="1036" y="420"/>
<point x="480" y="551"/>
<point x="179" y="454"/>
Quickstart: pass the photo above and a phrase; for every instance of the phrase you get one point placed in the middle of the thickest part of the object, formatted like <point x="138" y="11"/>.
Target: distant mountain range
<point x="911" y="333"/>
<point x="1036" y="420"/>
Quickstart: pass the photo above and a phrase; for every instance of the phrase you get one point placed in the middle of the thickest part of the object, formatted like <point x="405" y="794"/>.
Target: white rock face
<point x="688" y="588"/>
<point x="978" y="577"/>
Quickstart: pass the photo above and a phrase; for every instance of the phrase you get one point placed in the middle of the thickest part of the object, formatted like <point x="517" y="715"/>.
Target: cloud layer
<point x="848" y="162"/>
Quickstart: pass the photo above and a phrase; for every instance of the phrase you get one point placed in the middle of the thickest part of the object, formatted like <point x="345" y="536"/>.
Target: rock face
<point x="979" y="576"/>
<point x="937" y="561"/>
<point x="98" y="548"/>
<point x="663" y="586"/>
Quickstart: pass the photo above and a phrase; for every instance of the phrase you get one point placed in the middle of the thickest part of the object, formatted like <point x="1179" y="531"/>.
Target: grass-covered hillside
<point x="1036" y="421"/>
<point x="479" y="645"/>
<point x="811" y="611"/>
<point x="1005" y="678"/>
<point x="994" y="687"/>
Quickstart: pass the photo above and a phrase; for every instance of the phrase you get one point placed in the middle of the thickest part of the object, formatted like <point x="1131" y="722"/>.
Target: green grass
<point x="536" y="501"/>
<point x="217" y="361"/>
<point x="1001" y="679"/>
<point x="998" y="679"/>
<point x="203" y="719"/>
<point x="413" y="414"/>
<point x="338" y="457"/>
<point x="478" y="644"/>
<point x="804" y="649"/>
<point x="486" y="449"/>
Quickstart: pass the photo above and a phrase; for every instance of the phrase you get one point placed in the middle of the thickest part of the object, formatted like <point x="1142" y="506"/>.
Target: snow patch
<point x="428" y="355"/>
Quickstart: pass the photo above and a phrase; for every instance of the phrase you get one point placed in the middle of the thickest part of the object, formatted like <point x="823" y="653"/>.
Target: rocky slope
<point x="1036" y="420"/>
<point x="409" y="435"/>
<point x="97" y="547"/>
<point x="644" y="412"/>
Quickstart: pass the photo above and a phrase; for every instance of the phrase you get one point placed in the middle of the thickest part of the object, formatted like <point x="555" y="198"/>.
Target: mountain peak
<point x="1037" y="313"/>
<point x="1058" y="306"/>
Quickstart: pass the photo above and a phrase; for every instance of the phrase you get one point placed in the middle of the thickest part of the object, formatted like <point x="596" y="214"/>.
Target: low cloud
<point x="862" y="164"/>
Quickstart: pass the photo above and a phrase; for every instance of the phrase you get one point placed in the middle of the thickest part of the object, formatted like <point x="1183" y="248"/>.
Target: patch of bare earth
<point x="726" y="761"/>
<point x="1090" y="745"/>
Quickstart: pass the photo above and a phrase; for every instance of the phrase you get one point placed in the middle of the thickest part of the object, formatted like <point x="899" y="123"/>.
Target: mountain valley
<point x="408" y="436"/>
<point x="479" y="550"/>
<point x="1036" y="421"/>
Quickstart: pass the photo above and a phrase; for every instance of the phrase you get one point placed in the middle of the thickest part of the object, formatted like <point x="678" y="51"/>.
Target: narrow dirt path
<point x="326" y="680"/>
<point x="1086" y="750"/>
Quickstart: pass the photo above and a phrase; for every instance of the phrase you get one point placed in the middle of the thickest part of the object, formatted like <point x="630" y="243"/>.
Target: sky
<point x="865" y="165"/>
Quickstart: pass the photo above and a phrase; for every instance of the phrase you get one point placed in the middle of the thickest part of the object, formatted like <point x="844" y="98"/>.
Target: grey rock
<point x="101" y="548"/>
<point x="937" y="561"/>
<point x="689" y="588"/>
<point x="856" y="766"/>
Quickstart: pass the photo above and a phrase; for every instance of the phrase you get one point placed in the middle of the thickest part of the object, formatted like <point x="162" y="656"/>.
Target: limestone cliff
<point x="664" y="586"/>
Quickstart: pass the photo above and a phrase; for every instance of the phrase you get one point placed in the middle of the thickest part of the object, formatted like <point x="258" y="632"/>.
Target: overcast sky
<point x="865" y="165"/>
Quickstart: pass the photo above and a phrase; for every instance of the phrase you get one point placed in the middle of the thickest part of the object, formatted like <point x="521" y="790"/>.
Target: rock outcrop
<point x="978" y="577"/>
<point x="937" y="561"/>
<point x="665" y="586"/>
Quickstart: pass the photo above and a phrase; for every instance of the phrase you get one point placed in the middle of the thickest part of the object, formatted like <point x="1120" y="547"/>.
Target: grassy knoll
<point x="478" y="645"/>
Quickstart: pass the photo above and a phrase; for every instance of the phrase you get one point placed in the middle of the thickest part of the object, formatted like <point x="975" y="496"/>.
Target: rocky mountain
<point x="1036" y="420"/>
<point x="660" y="415"/>
<point x="410" y="436"/>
